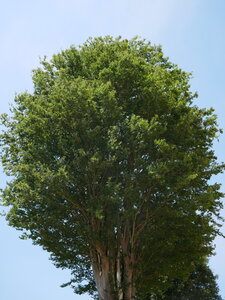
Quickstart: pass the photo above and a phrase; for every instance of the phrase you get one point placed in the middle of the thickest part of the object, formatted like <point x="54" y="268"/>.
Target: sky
<point x="192" y="35"/>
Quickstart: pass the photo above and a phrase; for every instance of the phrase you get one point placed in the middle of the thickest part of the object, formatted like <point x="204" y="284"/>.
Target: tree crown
<point x="110" y="144"/>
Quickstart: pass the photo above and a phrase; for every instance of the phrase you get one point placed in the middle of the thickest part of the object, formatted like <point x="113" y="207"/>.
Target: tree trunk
<point x="102" y="268"/>
<point x="128" y="266"/>
<point x="130" y="291"/>
<point x="119" y="275"/>
<point x="114" y="271"/>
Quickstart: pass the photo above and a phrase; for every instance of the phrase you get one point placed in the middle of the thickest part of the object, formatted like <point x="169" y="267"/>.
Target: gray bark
<point x="114" y="270"/>
<point x="101" y="269"/>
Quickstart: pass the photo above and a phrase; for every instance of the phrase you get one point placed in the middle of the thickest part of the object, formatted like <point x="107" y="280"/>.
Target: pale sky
<point x="192" y="34"/>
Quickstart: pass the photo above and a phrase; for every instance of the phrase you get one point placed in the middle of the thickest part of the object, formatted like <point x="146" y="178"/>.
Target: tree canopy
<point x="111" y="162"/>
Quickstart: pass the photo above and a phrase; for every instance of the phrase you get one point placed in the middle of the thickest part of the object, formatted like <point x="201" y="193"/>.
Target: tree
<point x="110" y="161"/>
<point x="201" y="285"/>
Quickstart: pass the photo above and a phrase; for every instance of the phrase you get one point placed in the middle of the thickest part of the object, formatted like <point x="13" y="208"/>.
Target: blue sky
<point x="192" y="34"/>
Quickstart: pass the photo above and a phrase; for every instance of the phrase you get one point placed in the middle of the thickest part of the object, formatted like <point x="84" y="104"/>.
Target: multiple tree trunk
<point x="114" y="272"/>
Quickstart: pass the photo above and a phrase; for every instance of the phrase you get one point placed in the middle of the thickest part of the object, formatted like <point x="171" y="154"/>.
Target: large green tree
<point x="111" y="162"/>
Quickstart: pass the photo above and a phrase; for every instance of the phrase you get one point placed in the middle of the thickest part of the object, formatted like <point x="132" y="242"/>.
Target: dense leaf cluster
<point x="200" y="285"/>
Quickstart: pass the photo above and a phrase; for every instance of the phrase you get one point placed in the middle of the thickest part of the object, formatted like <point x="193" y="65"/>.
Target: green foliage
<point x="110" y="139"/>
<point x="201" y="285"/>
